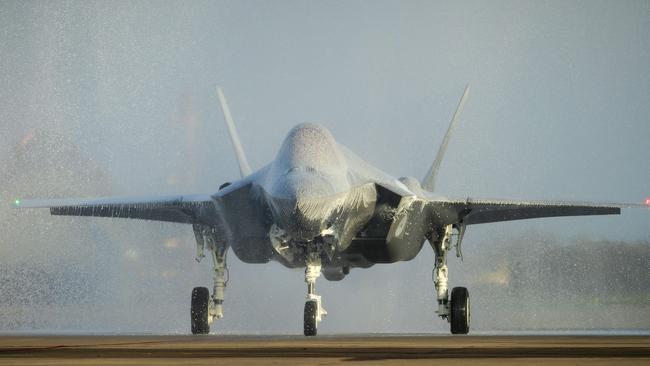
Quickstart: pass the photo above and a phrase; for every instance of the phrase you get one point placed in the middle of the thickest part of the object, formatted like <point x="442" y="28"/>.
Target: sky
<point x="558" y="109"/>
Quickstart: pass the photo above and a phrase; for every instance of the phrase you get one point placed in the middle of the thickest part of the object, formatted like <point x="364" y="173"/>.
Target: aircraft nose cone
<point x="303" y="202"/>
<point x="304" y="224"/>
<point x="301" y="219"/>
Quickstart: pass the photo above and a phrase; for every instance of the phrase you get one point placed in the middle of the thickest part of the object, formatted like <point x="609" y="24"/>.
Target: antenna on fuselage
<point x="244" y="168"/>
<point x="429" y="181"/>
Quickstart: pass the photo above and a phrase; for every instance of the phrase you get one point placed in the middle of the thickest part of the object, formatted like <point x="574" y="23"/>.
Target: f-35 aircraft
<point x="319" y="206"/>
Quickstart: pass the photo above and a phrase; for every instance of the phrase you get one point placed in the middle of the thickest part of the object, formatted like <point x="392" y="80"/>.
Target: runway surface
<point x="356" y="350"/>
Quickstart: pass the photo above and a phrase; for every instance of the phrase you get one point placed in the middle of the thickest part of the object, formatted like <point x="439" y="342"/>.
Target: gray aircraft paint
<point x="560" y="111"/>
<point x="317" y="205"/>
<point x="314" y="184"/>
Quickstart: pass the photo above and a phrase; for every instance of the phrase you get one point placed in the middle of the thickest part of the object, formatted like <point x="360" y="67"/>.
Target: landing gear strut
<point x="314" y="311"/>
<point x="220" y="281"/>
<point x="456" y="311"/>
<point x="205" y="308"/>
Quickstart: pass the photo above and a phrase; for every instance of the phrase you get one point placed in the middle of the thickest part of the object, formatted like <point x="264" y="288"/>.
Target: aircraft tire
<point x="311" y="308"/>
<point x="199" y="310"/>
<point x="460" y="310"/>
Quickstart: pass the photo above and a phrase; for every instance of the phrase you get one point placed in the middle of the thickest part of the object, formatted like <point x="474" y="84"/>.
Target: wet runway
<point x="356" y="350"/>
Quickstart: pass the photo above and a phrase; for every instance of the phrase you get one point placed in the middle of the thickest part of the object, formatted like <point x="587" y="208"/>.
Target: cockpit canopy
<point x="309" y="164"/>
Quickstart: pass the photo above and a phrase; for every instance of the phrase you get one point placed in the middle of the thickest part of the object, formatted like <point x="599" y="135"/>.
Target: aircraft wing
<point x="183" y="209"/>
<point x="470" y="211"/>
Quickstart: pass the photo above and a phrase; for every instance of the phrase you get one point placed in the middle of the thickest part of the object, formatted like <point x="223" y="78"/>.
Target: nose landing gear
<point x="314" y="311"/>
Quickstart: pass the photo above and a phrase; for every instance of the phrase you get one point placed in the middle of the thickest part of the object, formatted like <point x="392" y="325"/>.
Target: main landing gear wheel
<point x="206" y="309"/>
<point x="199" y="310"/>
<point x="460" y="311"/>
<point x="311" y="310"/>
<point x="455" y="310"/>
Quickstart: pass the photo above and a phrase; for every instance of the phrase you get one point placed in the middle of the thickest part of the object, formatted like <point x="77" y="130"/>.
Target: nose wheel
<point x="311" y="310"/>
<point x="314" y="311"/>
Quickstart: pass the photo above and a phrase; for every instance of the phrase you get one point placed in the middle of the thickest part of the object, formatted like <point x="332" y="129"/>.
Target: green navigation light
<point x="17" y="202"/>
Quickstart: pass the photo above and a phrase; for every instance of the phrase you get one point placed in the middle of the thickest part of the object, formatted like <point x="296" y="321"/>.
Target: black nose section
<point x="303" y="219"/>
<point x="301" y="202"/>
<point x="304" y="225"/>
<point x="304" y="195"/>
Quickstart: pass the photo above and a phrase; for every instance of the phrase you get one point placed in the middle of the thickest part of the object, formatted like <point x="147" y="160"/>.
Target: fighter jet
<point x="319" y="206"/>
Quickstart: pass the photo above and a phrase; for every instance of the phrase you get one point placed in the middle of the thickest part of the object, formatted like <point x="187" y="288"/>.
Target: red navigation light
<point x="647" y="201"/>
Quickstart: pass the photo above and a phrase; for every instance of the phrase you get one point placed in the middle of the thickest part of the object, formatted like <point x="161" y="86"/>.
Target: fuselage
<point x="316" y="192"/>
<point x="307" y="183"/>
<point x="311" y="193"/>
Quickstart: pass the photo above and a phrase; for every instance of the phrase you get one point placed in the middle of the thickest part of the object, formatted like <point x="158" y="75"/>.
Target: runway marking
<point x="354" y="353"/>
<point x="389" y="349"/>
<point x="71" y="346"/>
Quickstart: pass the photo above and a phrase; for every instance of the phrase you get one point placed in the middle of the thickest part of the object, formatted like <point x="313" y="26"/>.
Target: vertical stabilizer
<point x="429" y="181"/>
<point x="244" y="168"/>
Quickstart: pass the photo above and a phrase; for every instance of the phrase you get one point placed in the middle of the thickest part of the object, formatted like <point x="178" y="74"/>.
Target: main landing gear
<point x="457" y="309"/>
<point x="205" y="309"/>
